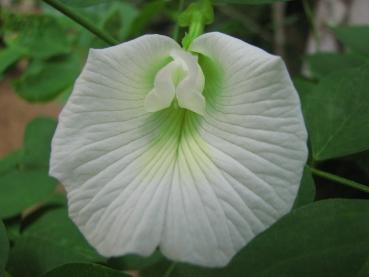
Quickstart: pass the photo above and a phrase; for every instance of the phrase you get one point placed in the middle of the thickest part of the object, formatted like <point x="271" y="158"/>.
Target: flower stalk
<point x="81" y="21"/>
<point x="195" y="17"/>
<point x="339" y="179"/>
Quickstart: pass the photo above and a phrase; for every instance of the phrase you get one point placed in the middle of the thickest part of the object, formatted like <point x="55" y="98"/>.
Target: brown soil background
<point x="15" y="113"/>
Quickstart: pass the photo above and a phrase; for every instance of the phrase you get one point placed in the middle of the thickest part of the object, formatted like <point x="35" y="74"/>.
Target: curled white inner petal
<point x="182" y="79"/>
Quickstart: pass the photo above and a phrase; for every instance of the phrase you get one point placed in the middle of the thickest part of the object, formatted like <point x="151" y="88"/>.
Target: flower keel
<point x="182" y="79"/>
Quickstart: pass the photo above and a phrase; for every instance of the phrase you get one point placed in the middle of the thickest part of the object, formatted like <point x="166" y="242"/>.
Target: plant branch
<point x="82" y="21"/>
<point x="278" y="13"/>
<point x="311" y="19"/>
<point x="339" y="179"/>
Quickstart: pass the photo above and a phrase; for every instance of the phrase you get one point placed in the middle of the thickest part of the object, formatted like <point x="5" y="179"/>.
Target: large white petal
<point x="199" y="187"/>
<point x="101" y="150"/>
<point x="245" y="157"/>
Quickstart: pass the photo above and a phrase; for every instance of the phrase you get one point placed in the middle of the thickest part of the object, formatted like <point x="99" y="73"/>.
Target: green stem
<point x="339" y="179"/>
<point x="176" y="28"/>
<point x="195" y="29"/>
<point x="82" y="21"/>
<point x="310" y="16"/>
<point x="169" y="270"/>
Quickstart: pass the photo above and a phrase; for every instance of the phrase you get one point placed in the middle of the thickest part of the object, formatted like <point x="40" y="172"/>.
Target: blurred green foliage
<point x="42" y="53"/>
<point x="4" y="247"/>
<point x="37" y="36"/>
<point x="50" y="241"/>
<point x="354" y="37"/>
<point x="84" y="269"/>
<point x="24" y="173"/>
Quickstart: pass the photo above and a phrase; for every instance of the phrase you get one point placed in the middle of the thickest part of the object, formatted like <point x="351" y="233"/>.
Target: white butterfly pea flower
<point x="194" y="152"/>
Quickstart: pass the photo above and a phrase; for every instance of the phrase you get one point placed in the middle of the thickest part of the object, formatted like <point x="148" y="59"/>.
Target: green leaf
<point x="57" y="199"/>
<point x="45" y="80"/>
<point x="362" y="161"/>
<point x="147" y="13"/>
<point x="9" y="56"/>
<point x="4" y="247"/>
<point x="305" y="90"/>
<point x="84" y="3"/>
<point x="10" y="161"/>
<point x="327" y="238"/>
<point x="38" y="36"/>
<point x="51" y="241"/>
<point x="322" y="64"/>
<point x="354" y="37"/>
<point x="134" y="262"/>
<point x="337" y="114"/>
<point x="303" y="86"/>
<point x="84" y="270"/>
<point x="114" y="17"/>
<point x="37" y="140"/>
<point x="118" y="19"/>
<point x="201" y="10"/>
<point x="306" y="193"/>
<point x="249" y="2"/>
<point x="23" y="189"/>
<point x="13" y="227"/>
<point x="364" y="271"/>
<point x="24" y="180"/>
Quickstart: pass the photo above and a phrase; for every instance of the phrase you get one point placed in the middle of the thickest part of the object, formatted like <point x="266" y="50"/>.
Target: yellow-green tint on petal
<point x="214" y="82"/>
<point x="178" y="124"/>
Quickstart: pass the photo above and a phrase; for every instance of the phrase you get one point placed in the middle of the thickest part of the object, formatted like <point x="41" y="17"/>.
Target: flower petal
<point x="246" y="158"/>
<point x="189" y="90"/>
<point x="101" y="148"/>
<point x="164" y="90"/>
<point x="199" y="187"/>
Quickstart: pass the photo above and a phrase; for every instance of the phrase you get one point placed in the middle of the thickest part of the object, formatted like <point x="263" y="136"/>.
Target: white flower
<point x="194" y="152"/>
